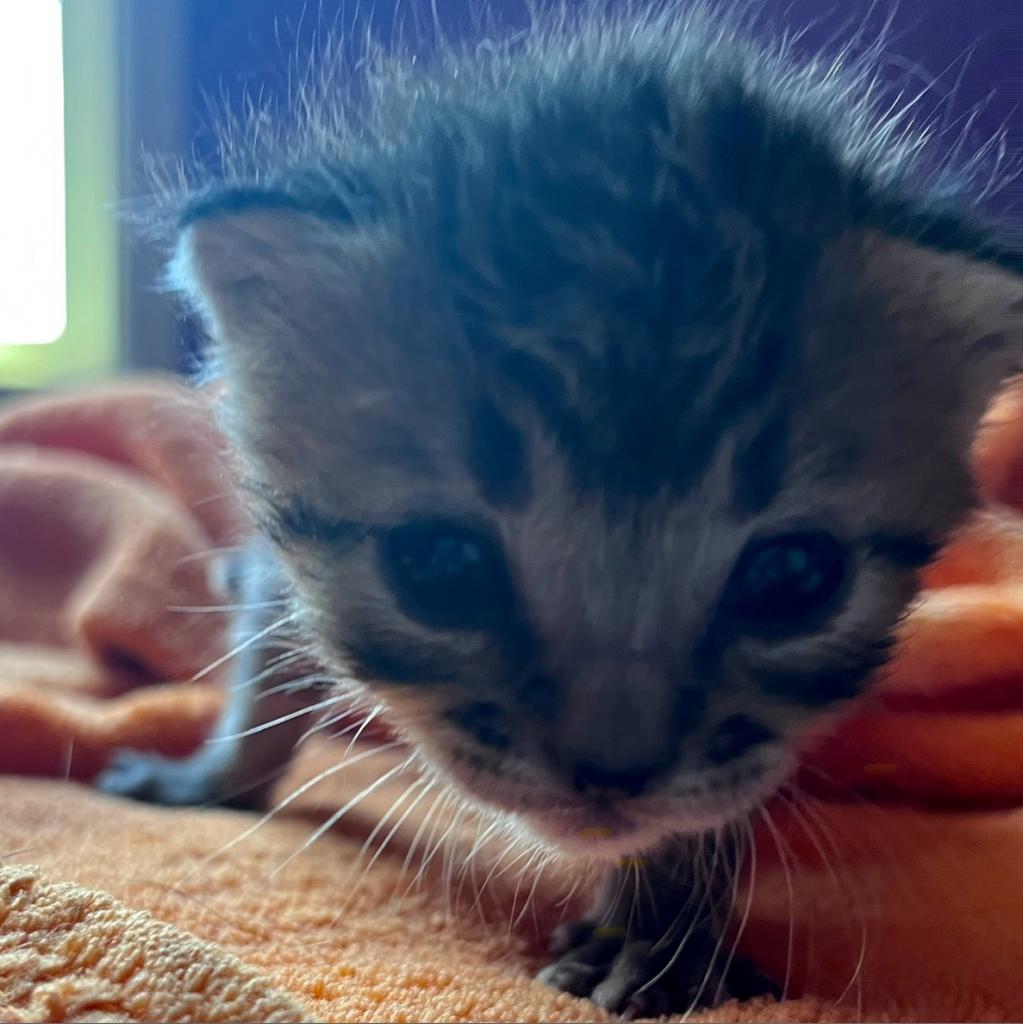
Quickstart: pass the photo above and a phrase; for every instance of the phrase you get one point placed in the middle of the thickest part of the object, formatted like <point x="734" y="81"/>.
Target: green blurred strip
<point x="90" y="345"/>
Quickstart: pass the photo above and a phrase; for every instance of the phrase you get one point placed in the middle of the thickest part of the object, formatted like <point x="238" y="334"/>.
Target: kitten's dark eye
<point x="782" y="581"/>
<point x="445" y="574"/>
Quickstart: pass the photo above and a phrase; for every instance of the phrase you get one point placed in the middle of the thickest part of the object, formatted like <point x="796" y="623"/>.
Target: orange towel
<point x="894" y="891"/>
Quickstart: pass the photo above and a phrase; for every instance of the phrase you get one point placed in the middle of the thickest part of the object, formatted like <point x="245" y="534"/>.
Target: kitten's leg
<point x="652" y="945"/>
<point x="254" y="739"/>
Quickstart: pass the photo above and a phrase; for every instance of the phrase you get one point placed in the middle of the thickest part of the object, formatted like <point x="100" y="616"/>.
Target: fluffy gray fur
<point x="626" y="296"/>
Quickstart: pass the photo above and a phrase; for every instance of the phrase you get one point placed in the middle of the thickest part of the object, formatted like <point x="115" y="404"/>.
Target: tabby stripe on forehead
<point x="497" y="457"/>
<point x="759" y="463"/>
<point x="639" y="435"/>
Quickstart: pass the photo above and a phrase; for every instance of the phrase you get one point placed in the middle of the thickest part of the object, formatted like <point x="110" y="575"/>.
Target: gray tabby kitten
<point x="600" y="398"/>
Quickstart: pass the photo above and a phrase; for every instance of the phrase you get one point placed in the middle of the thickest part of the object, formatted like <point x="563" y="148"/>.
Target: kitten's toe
<point x="184" y="782"/>
<point x="585" y="952"/>
<point x="572" y="976"/>
<point x="622" y="990"/>
<point x="636" y="977"/>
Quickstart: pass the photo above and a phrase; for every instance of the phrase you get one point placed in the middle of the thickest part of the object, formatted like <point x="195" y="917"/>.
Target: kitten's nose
<point x="595" y="780"/>
<point x="615" y="731"/>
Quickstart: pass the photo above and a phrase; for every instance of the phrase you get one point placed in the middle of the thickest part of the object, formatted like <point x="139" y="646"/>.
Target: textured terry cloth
<point x="896" y="891"/>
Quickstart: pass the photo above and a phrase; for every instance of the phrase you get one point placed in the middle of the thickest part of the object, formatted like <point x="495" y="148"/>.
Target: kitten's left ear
<point x="958" y="315"/>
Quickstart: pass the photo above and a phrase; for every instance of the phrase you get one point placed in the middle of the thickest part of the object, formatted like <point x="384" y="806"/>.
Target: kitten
<point x="600" y="398"/>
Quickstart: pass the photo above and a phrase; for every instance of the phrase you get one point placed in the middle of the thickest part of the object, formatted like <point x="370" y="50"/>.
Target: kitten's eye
<point x="445" y="574"/>
<point x="781" y="581"/>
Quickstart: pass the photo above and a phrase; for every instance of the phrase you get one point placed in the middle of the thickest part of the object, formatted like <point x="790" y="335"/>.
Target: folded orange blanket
<point x="890" y="892"/>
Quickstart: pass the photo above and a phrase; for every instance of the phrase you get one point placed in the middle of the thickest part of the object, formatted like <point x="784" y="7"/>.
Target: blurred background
<point x="87" y="85"/>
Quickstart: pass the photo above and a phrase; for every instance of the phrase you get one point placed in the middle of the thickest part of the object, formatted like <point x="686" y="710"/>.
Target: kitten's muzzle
<point x="604" y="785"/>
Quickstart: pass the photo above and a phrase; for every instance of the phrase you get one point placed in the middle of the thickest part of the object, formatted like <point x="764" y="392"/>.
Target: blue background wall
<point x="971" y="49"/>
<point x="972" y="46"/>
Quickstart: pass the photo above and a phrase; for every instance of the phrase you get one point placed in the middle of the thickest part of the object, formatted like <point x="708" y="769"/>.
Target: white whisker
<point x="401" y="820"/>
<point x="340" y="813"/>
<point x="438" y="801"/>
<point x="780" y="845"/>
<point x="196" y="609"/>
<point x="534" y="852"/>
<point x="530" y="903"/>
<point x="349" y="711"/>
<point x="280" y="720"/>
<point x="752" y="848"/>
<point x="235" y="651"/>
<point x="290" y="799"/>
<point x="370" y="716"/>
<point x="271" y="667"/>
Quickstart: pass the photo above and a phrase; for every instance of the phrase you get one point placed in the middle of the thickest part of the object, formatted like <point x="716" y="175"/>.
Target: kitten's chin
<point x="629" y="828"/>
<point x="588" y="834"/>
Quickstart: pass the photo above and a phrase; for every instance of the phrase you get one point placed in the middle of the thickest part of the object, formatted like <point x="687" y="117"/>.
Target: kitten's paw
<point x="638" y="977"/>
<point x="183" y="782"/>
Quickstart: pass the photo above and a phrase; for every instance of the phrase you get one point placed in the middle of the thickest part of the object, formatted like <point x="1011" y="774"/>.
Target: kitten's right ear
<point x="262" y="266"/>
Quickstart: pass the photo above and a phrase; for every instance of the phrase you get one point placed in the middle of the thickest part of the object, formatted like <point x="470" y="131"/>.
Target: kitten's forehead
<point x="618" y="572"/>
<point x="647" y="279"/>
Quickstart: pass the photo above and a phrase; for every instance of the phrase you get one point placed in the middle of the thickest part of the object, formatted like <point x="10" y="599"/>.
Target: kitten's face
<point x="611" y="520"/>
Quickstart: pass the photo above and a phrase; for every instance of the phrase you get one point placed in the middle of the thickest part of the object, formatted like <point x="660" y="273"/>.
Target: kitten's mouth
<point x="597" y="832"/>
<point x="610" y="830"/>
<point x="627" y="829"/>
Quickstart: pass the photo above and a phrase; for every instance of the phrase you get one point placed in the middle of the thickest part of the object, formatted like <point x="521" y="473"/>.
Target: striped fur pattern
<point x="622" y="298"/>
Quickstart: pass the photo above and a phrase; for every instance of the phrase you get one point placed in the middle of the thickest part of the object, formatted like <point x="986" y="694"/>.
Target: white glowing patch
<point x="33" y="277"/>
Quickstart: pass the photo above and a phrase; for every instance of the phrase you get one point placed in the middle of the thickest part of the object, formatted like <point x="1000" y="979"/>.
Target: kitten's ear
<point x="957" y="314"/>
<point x="248" y="261"/>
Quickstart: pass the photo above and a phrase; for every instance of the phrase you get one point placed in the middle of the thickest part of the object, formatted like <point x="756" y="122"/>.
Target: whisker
<point x="243" y="926"/>
<point x="566" y="901"/>
<point x="496" y="873"/>
<point x="339" y="814"/>
<point x="287" y="656"/>
<point x="69" y="753"/>
<point x="353" y="889"/>
<point x="436" y="847"/>
<point x="252" y="783"/>
<point x="18" y="851"/>
<point x="719" y="944"/>
<point x="371" y="715"/>
<point x="280" y="720"/>
<point x="616" y="900"/>
<point x="450" y="848"/>
<point x="469" y="864"/>
<point x="798" y="807"/>
<point x="693" y="924"/>
<point x="235" y="651"/>
<point x="545" y="859"/>
<point x="633" y="867"/>
<point x="271" y="667"/>
<point x="348" y="712"/>
<point x="438" y="801"/>
<point x="783" y="857"/>
<point x="397" y="825"/>
<point x="534" y="852"/>
<point x="198" y="609"/>
<point x="290" y="799"/>
<point x="751" y="846"/>
<point x="211" y="553"/>
<point x="306" y="682"/>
